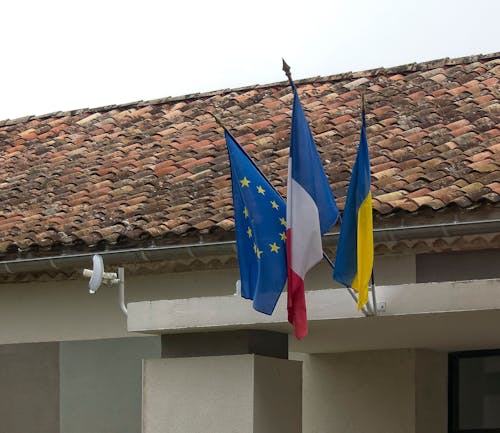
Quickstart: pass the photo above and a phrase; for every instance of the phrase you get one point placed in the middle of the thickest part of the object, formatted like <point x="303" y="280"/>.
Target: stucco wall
<point x="100" y="384"/>
<point x="359" y="392"/>
<point x="63" y="310"/>
<point x="29" y="388"/>
<point x="431" y="391"/>
<point x="392" y="391"/>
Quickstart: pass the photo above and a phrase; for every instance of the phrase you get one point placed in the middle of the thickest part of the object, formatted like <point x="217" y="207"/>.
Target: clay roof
<point x="157" y="171"/>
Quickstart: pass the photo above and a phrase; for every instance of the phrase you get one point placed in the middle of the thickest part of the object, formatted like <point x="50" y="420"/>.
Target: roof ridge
<point x="409" y="67"/>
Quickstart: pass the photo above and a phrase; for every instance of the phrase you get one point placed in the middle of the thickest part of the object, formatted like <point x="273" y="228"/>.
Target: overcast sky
<point x="69" y="54"/>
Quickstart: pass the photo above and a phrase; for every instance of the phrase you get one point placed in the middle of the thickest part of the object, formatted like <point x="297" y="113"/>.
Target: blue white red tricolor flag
<point x="311" y="211"/>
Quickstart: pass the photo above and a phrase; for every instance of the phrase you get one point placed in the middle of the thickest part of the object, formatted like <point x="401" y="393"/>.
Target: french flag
<point x="311" y="211"/>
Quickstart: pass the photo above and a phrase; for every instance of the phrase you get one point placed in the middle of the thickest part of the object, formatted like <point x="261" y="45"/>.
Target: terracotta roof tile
<point x="495" y="187"/>
<point x="157" y="171"/>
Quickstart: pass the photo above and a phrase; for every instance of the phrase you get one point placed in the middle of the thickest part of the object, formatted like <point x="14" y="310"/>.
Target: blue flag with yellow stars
<point x="260" y="218"/>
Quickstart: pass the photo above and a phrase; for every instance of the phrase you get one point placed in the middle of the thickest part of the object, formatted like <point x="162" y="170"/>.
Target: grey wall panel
<point x="458" y="266"/>
<point x="29" y="388"/>
<point x="101" y="384"/>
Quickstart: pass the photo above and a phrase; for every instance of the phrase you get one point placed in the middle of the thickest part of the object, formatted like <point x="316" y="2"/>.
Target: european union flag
<point x="260" y="217"/>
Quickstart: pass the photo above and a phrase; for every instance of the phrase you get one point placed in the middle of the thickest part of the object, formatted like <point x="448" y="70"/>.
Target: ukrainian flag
<point x="354" y="261"/>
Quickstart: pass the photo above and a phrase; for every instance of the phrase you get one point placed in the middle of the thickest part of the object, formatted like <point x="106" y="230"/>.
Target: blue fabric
<point x="346" y="261"/>
<point x="260" y="217"/>
<point x="307" y="168"/>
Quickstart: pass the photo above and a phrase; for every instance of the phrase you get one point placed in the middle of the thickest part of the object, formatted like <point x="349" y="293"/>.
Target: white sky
<point x="68" y="54"/>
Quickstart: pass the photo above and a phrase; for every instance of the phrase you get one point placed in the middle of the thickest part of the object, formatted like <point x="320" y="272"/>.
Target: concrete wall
<point x="393" y="391"/>
<point x="63" y="310"/>
<point x="431" y="391"/>
<point x="38" y="312"/>
<point x="29" y="388"/>
<point x="73" y="387"/>
<point x="101" y="384"/>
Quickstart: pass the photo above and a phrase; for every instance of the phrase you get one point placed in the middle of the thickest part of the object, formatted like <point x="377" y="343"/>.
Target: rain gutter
<point x="204" y="249"/>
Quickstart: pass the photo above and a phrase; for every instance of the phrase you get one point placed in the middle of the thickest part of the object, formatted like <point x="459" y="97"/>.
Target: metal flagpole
<point x="286" y="70"/>
<point x="374" y="297"/>
<point x="218" y="121"/>
<point x="372" y="280"/>
<point x="368" y="310"/>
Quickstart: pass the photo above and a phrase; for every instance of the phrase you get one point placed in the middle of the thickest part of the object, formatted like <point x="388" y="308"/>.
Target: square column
<point x="244" y="393"/>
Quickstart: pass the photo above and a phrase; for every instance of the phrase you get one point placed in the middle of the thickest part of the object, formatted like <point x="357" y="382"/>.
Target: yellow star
<point x="275" y="205"/>
<point x="274" y="248"/>
<point x="283" y="236"/>
<point x="249" y="232"/>
<point x="261" y="190"/>
<point x="258" y="252"/>
<point x="255" y="247"/>
<point x="245" y="212"/>
<point x="283" y="221"/>
<point x="245" y="182"/>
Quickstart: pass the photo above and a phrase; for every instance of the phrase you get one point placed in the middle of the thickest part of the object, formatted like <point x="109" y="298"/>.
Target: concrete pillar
<point x="227" y="393"/>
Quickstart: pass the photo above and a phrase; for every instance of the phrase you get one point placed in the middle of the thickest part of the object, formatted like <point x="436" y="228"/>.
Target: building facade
<point x="147" y="186"/>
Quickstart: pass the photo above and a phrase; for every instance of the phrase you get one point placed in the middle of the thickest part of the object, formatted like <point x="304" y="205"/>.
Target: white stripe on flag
<point x="303" y="220"/>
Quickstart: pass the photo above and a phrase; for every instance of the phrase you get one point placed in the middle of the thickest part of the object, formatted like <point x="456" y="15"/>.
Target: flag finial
<point x="286" y="69"/>
<point x="363" y="102"/>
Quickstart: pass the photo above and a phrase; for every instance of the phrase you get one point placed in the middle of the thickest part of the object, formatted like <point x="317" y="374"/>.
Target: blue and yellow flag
<point x="259" y="213"/>
<point x="354" y="261"/>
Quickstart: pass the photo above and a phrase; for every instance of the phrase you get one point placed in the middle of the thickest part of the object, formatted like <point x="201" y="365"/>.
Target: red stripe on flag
<point x="296" y="301"/>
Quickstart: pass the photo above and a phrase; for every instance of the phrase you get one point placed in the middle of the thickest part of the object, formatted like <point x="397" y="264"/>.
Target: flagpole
<point x="218" y="121"/>
<point x="286" y="69"/>
<point x="374" y="297"/>
<point x="368" y="310"/>
<point x="372" y="279"/>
